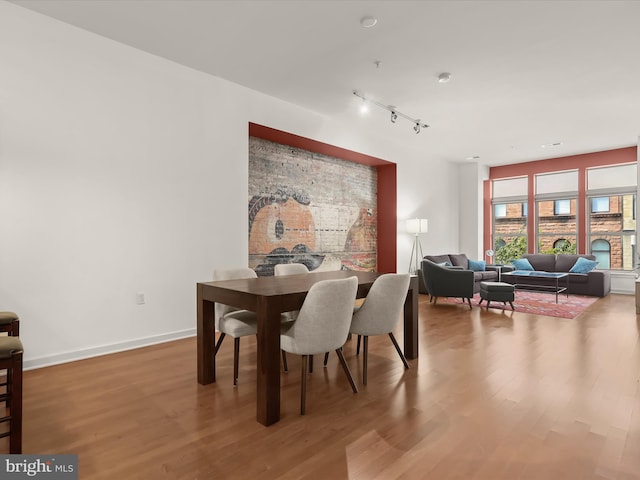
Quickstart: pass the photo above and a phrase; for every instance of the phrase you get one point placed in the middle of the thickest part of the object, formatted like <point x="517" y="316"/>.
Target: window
<point x="509" y="231"/>
<point x="500" y="210"/>
<point x="562" y="207"/>
<point x="599" y="204"/>
<point x="604" y="196"/>
<point x="612" y="230"/>
<point x="601" y="249"/>
<point x="556" y="226"/>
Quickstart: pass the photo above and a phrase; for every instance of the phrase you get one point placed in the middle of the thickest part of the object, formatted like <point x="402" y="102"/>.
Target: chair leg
<point x="469" y="300"/>
<point x="358" y="345"/>
<point x="347" y="372"/>
<point x="284" y="361"/>
<point x="511" y="303"/>
<point x="303" y="385"/>
<point x="236" y="354"/>
<point x="15" y="405"/>
<point x="326" y="358"/>
<point x="395" y="344"/>
<point x="365" y="358"/>
<point x="435" y="300"/>
<point x="219" y="342"/>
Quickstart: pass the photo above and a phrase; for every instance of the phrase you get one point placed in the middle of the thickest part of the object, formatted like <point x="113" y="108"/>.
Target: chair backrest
<point x="230" y="274"/>
<point x="290" y="269"/>
<point x="384" y="304"/>
<point x="428" y="271"/>
<point x="325" y="316"/>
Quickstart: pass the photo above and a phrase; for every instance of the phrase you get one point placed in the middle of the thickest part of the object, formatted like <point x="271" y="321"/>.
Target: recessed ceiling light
<point x="551" y="145"/>
<point x="475" y="157"/>
<point x="444" y="77"/>
<point x="368" y="22"/>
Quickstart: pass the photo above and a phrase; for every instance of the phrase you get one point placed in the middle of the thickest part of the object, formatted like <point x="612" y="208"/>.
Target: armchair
<point x="447" y="282"/>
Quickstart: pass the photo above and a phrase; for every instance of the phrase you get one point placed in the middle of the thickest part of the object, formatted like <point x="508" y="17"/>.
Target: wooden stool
<point x="10" y="323"/>
<point x="11" y="360"/>
<point x="497" y="291"/>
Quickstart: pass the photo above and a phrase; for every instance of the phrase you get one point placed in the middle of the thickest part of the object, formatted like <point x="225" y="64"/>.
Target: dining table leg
<point x="411" y="320"/>
<point x="268" y="368"/>
<point x="206" y="360"/>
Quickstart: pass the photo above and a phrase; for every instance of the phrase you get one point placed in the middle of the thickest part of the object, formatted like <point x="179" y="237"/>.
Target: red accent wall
<point x="573" y="162"/>
<point x="387" y="186"/>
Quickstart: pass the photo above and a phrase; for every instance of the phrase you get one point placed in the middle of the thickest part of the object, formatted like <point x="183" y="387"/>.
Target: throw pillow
<point x="521" y="264"/>
<point x="444" y="264"/>
<point x="477" y="265"/>
<point x="583" y="265"/>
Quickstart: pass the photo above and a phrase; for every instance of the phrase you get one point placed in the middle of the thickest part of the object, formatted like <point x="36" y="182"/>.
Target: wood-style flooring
<point x="493" y="395"/>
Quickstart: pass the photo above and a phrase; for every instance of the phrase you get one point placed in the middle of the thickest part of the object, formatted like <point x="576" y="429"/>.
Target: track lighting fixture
<point x="418" y="125"/>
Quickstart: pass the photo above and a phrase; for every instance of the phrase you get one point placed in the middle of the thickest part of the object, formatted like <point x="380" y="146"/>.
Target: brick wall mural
<point x="309" y="208"/>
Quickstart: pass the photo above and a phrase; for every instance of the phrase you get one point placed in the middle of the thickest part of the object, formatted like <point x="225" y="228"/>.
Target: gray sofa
<point x="596" y="283"/>
<point x="459" y="261"/>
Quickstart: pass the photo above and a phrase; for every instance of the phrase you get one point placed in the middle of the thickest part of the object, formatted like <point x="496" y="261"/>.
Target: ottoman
<point x="498" y="291"/>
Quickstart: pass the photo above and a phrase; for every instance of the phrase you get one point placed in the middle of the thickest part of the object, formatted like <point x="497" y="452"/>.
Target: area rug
<point x="537" y="303"/>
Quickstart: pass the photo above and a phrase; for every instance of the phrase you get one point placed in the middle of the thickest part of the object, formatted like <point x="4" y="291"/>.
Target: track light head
<point x="394" y="116"/>
<point x="416" y="127"/>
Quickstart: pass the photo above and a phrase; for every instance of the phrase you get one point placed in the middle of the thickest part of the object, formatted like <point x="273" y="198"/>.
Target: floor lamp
<point x="417" y="226"/>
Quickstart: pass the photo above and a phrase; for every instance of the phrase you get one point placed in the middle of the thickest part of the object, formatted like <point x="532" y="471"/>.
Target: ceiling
<point x="524" y="73"/>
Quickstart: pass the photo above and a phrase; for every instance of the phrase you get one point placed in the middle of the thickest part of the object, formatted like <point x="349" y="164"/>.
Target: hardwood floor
<point x="493" y="395"/>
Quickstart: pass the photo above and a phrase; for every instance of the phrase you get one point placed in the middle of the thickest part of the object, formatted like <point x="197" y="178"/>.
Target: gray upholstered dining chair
<point x="232" y="321"/>
<point x="322" y="325"/>
<point x="380" y="312"/>
<point x="290" y="269"/>
<point x="235" y="322"/>
<point x="282" y="269"/>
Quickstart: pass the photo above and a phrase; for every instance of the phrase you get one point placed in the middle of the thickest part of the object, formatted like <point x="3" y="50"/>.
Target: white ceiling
<point x="524" y="73"/>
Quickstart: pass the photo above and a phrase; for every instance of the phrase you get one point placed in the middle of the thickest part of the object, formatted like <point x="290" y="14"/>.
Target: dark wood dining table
<point x="269" y="297"/>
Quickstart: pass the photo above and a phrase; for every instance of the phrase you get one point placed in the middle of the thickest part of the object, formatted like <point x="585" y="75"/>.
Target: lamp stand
<point x="417" y="247"/>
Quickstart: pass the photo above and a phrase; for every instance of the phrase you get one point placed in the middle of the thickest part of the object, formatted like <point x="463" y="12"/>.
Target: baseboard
<point x="623" y="292"/>
<point x="105" y="349"/>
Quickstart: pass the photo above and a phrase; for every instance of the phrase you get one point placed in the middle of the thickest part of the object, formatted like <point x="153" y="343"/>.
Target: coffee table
<point x="521" y="277"/>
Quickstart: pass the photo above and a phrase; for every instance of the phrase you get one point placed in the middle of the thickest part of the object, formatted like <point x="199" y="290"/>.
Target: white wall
<point x="121" y="172"/>
<point x="470" y="214"/>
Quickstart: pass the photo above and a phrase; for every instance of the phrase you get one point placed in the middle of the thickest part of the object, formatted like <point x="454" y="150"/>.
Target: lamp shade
<point x="417" y="225"/>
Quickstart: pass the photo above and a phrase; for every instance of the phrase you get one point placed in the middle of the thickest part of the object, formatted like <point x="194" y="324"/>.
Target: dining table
<point x="269" y="297"/>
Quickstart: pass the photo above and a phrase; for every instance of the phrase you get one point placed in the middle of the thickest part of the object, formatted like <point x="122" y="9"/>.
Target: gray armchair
<point x="447" y="282"/>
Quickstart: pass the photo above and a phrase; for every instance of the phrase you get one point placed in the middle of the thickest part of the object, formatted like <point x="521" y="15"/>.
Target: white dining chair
<point x="322" y="325"/>
<point x="283" y="269"/>
<point x="290" y="269"/>
<point x="380" y="312"/>
<point x="232" y="321"/>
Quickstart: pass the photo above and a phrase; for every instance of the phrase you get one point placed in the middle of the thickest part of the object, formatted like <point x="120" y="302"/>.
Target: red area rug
<point x="537" y="303"/>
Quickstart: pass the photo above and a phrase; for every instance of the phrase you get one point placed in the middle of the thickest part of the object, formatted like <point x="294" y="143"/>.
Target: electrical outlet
<point x="140" y="298"/>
